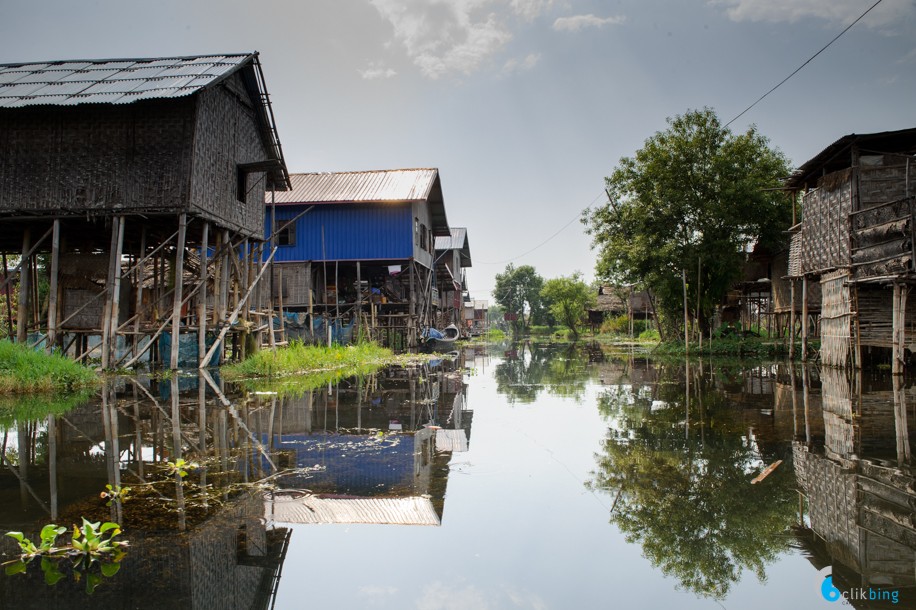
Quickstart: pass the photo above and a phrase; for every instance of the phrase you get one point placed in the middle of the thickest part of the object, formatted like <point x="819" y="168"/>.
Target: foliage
<point x="181" y="467"/>
<point x="115" y="494"/>
<point x="93" y="553"/>
<point x="734" y="345"/>
<point x="518" y="291"/>
<point x="298" y="358"/>
<point x="568" y="298"/>
<point x="649" y="334"/>
<point x="531" y="369"/>
<point x="496" y="335"/>
<point x="620" y="325"/>
<point x="684" y="487"/>
<point x="30" y="407"/>
<point x="23" y="370"/>
<point x="693" y="198"/>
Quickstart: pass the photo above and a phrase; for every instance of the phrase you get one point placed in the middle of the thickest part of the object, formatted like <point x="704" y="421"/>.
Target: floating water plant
<point x="93" y="553"/>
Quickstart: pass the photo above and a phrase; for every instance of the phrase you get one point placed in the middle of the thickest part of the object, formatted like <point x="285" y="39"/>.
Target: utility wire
<point x="560" y="230"/>
<point x="810" y="59"/>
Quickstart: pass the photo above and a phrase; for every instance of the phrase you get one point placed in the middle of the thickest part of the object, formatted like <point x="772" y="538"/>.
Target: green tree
<point x="518" y="291"/>
<point x="692" y="199"/>
<point x="568" y="297"/>
<point x="682" y="480"/>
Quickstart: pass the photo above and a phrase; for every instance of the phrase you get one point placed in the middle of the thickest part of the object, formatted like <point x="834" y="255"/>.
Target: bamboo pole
<point x="23" y="307"/>
<point x="686" y="327"/>
<point x="54" y="284"/>
<point x="140" y="278"/>
<point x="804" y="328"/>
<point x="179" y="281"/>
<point x="116" y="292"/>
<point x="202" y="296"/>
<point x="235" y="313"/>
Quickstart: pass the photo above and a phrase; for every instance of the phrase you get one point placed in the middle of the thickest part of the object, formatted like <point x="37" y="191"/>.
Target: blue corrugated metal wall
<point x="351" y="232"/>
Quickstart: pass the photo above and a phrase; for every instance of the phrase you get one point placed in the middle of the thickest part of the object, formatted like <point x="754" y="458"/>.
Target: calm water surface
<point x="533" y="476"/>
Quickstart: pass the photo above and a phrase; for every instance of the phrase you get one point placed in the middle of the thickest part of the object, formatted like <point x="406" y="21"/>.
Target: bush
<point x="620" y="325"/>
<point x="650" y="334"/>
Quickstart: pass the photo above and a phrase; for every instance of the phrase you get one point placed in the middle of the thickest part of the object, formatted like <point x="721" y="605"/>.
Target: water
<point x="527" y="477"/>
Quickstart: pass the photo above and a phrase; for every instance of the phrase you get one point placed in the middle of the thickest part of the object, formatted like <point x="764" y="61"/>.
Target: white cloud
<point x="908" y="58"/>
<point x="521" y="65"/>
<point x="837" y="11"/>
<point x="577" y="22"/>
<point x="377" y="70"/>
<point x="531" y="9"/>
<point x="445" y="36"/>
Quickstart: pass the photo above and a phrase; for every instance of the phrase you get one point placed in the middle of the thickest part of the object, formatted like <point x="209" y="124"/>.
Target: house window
<point x="416" y="231"/>
<point x="286" y="236"/>
<point x="423" y="238"/>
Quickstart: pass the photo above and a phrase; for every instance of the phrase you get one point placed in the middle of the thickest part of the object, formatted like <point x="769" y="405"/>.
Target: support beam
<point x="899" y="328"/>
<point x="179" y="280"/>
<point x="202" y="294"/>
<point x="54" y="286"/>
<point x="139" y="303"/>
<point x="22" y="309"/>
<point x="116" y="292"/>
<point x="804" y="328"/>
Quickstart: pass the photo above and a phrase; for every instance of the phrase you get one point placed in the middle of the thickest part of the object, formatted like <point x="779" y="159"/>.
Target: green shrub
<point x="25" y="371"/>
<point x="650" y="334"/>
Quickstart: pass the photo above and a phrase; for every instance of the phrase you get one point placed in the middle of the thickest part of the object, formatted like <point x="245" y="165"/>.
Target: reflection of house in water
<point x="195" y="541"/>
<point x="860" y="484"/>
<point x="369" y="451"/>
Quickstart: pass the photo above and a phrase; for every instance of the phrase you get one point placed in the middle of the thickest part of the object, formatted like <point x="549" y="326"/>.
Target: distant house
<point x="360" y="246"/>
<point x="615" y="301"/>
<point x="453" y="256"/>
<point x="475" y="316"/>
<point x="149" y="159"/>
<point x="855" y="240"/>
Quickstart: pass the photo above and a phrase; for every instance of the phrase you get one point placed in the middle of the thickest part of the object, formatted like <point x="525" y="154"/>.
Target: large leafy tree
<point x="691" y="200"/>
<point x="567" y="298"/>
<point x="518" y="292"/>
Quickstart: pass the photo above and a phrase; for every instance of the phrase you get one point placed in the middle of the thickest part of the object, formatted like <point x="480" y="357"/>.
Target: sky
<point x="523" y="105"/>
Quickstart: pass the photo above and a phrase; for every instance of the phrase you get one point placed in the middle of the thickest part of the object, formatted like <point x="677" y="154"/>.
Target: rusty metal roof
<point x="376" y="186"/>
<point x="125" y="81"/>
<point x="312" y="509"/>
<point x="110" y="81"/>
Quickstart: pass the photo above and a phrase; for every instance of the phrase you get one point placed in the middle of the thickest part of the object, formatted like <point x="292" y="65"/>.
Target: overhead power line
<point x="543" y="243"/>
<point x="809" y="60"/>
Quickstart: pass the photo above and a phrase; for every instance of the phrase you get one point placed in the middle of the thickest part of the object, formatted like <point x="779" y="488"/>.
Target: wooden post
<point x="202" y="295"/>
<point x="52" y="296"/>
<point x="140" y="278"/>
<point x="804" y="325"/>
<point x="359" y="300"/>
<point x="116" y="292"/>
<point x="792" y="319"/>
<point x="686" y="328"/>
<point x="179" y="281"/>
<point x="22" y="309"/>
<point x="109" y="291"/>
<point x="9" y="305"/>
<point x="899" y="328"/>
<point x="412" y="309"/>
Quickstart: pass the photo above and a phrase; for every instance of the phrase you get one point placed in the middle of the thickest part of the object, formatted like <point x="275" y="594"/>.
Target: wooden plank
<point x="202" y="297"/>
<point x="22" y="308"/>
<point x="179" y="280"/>
<point x="54" y="285"/>
<point x="766" y="472"/>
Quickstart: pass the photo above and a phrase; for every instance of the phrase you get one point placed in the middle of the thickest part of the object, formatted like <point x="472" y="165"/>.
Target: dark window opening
<point x="241" y="185"/>
<point x="286" y="236"/>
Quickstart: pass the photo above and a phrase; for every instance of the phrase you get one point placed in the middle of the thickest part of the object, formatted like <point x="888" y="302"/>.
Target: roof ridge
<point x="366" y="171"/>
<point x="52" y="62"/>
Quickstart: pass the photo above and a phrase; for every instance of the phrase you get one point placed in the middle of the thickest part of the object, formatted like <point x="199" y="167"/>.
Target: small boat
<point x="433" y="340"/>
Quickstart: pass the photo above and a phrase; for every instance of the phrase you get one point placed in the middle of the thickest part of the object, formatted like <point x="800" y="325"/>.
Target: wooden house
<point x="132" y="173"/>
<point x="453" y="256"/>
<point x="359" y="248"/>
<point x="856" y="240"/>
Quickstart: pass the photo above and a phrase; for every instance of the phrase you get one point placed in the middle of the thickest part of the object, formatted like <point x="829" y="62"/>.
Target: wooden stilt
<point x="359" y="302"/>
<point x="804" y="326"/>
<point x="179" y="280"/>
<point x="22" y="310"/>
<point x="116" y="292"/>
<point x="109" y="291"/>
<point x="899" y="328"/>
<point x="9" y="305"/>
<point x="53" y="288"/>
<point x="202" y="294"/>
<point x="792" y="319"/>
<point x="138" y="304"/>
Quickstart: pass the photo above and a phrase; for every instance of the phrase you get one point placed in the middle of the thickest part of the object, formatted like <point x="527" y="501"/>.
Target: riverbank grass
<point x="26" y="371"/>
<point x="299" y="359"/>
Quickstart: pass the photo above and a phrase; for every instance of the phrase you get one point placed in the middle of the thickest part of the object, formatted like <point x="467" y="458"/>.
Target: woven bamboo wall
<point x="840" y="435"/>
<point x="875" y="309"/>
<point x="226" y="135"/>
<point x="96" y="159"/>
<point x="825" y="223"/>
<point x="883" y="178"/>
<point x="836" y="319"/>
<point x="297" y="283"/>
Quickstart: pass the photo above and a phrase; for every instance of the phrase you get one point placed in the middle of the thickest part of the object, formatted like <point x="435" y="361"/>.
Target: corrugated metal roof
<point x="451" y="440"/>
<point x="311" y="509"/>
<point x="364" y="186"/>
<point x="110" y="81"/>
<point x="457" y="240"/>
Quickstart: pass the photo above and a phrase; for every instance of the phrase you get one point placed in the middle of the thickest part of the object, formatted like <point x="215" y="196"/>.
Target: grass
<point x="26" y="371"/>
<point x="300" y="359"/>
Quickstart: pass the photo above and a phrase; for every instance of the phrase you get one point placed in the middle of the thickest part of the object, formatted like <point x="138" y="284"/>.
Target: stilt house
<point x="453" y="256"/>
<point x="856" y="240"/>
<point x="144" y="180"/>
<point x="358" y="248"/>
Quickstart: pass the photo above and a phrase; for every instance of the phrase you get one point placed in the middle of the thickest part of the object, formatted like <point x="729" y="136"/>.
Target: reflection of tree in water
<point x="560" y="370"/>
<point x="685" y="490"/>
